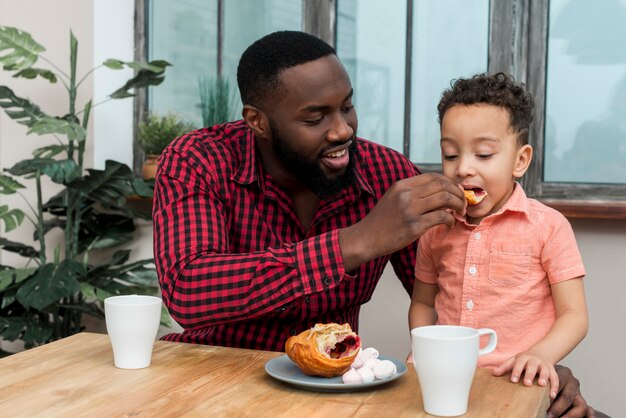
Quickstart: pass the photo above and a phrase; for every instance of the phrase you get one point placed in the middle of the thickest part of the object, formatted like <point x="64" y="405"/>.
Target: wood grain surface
<point x="75" y="377"/>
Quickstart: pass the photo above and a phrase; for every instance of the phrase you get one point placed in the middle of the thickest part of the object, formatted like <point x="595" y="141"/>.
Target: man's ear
<point x="257" y="121"/>
<point x="523" y="157"/>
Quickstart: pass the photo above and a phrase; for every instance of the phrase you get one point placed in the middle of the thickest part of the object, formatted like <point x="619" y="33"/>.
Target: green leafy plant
<point x="218" y="102"/>
<point x="156" y="132"/>
<point x="45" y="298"/>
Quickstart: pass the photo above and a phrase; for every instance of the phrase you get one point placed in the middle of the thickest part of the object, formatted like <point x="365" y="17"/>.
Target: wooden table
<point x="75" y="377"/>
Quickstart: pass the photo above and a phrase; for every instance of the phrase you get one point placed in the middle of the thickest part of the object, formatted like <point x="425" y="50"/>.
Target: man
<point x="265" y="226"/>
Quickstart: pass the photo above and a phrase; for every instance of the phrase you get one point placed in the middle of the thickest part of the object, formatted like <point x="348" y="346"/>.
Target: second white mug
<point x="132" y="323"/>
<point x="445" y="359"/>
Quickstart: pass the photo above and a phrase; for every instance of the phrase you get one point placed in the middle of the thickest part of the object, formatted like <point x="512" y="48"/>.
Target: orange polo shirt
<point x="498" y="274"/>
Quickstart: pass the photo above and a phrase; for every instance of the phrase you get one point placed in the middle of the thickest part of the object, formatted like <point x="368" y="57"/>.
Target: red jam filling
<point x="346" y="347"/>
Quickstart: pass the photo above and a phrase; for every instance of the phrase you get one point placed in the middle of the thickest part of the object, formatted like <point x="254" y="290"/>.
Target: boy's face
<point x="480" y="151"/>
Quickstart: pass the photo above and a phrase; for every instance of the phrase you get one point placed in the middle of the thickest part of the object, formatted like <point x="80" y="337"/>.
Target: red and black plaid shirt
<point x="236" y="267"/>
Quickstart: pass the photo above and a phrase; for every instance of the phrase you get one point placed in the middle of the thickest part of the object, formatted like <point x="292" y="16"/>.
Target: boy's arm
<point x="569" y="328"/>
<point x="571" y="322"/>
<point x="422" y="309"/>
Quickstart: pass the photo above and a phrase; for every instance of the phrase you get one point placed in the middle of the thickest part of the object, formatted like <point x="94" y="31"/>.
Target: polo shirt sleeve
<point x="202" y="282"/>
<point x="560" y="257"/>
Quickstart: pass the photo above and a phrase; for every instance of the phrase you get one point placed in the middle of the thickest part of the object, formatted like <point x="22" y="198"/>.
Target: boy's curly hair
<point x="499" y="89"/>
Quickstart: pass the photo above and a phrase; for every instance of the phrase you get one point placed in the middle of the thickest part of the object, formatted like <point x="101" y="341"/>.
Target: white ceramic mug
<point x="132" y="323"/>
<point x="445" y="359"/>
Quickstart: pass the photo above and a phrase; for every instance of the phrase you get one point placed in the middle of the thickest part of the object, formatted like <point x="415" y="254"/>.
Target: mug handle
<point x="493" y="341"/>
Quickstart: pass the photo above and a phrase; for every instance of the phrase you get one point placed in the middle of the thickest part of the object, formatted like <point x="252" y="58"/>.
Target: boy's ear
<point x="523" y="158"/>
<point x="257" y="121"/>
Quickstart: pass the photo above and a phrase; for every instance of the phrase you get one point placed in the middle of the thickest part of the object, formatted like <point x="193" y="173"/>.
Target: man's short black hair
<point x="261" y="63"/>
<point x="498" y="89"/>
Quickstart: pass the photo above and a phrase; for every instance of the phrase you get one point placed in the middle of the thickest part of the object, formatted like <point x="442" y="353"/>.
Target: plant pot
<point x="149" y="169"/>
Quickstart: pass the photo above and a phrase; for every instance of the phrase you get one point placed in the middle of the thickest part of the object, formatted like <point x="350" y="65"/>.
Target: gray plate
<point x="282" y="368"/>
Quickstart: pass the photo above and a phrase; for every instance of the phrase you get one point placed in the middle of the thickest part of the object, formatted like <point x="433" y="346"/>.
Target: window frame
<point x="518" y="45"/>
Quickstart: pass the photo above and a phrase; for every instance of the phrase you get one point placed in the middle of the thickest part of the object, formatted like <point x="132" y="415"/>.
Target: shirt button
<point x="308" y="299"/>
<point x="470" y="304"/>
<point x="293" y="332"/>
<point x="477" y="236"/>
<point x="473" y="270"/>
<point x="327" y="281"/>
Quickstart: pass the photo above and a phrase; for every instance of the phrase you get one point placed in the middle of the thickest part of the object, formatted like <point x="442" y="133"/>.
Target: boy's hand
<point x="534" y="366"/>
<point x="409" y="358"/>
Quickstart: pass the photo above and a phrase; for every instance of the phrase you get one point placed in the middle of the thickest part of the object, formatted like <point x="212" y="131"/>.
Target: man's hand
<point x="569" y="402"/>
<point x="408" y="209"/>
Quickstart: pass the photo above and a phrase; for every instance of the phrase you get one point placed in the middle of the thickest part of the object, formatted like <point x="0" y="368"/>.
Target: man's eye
<point x="450" y="157"/>
<point x="315" y="121"/>
<point x="347" y="108"/>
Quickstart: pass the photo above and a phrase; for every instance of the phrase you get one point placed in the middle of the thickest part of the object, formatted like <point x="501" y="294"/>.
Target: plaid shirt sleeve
<point x="202" y="282"/>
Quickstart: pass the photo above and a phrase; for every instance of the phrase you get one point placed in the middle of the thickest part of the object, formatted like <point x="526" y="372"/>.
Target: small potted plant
<point x="154" y="134"/>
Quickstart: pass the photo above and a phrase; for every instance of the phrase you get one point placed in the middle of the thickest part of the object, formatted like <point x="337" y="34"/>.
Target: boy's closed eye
<point x="484" y="156"/>
<point x="450" y="157"/>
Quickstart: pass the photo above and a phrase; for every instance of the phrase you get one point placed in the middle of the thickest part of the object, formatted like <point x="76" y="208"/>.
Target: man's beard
<point x="309" y="172"/>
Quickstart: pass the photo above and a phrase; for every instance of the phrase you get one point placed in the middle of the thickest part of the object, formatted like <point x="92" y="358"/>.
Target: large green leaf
<point x="10" y="277"/>
<point x="11" y="327"/>
<point x="91" y="292"/>
<point x="25" y="327"/>
<point x="23" y="50"/>
<point x="31" y="73"/>
<point x="151" y="74"/>
<point x="51" y="283"/>
<point x="12" y="218"/>
<point x="37" y="332"/>
<point x="50" y="151"/>
<point x="19" y="109"/>
<point x="8" y="185"/>
<point x="16" y="247"/>
<point x="59" y="171"/>
<point x="108" y="186"/>
<point x="51" y="125"/>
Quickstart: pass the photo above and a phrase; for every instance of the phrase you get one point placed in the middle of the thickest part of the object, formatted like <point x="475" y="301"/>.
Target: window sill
<point x="588" y="209"/>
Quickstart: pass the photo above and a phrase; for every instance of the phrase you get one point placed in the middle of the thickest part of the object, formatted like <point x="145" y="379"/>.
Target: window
<point x="401" y="54"/>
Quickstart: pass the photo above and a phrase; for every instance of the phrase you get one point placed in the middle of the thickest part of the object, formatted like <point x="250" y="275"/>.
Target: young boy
<point x="512" y="263"/>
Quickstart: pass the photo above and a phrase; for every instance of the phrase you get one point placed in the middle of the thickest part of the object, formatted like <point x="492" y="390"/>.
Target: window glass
<point x="185" y="33"/>
<point x="585" y="129"/>
<point x="450" y="40"/>
<point x="371" y="44"/>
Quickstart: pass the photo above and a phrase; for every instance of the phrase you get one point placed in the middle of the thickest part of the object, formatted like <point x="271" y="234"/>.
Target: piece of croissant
<point x="473" y="198"/>
<point x="325" y="350"/>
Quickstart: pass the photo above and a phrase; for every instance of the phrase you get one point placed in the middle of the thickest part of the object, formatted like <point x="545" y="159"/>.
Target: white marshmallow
<point x="371" y="363"/>
<point x="358" y="360"/>
<point x="384" y="369"/>
<point x="366" y="374"/>
<point x="351" y="376"/>
<point x="369" y="353"/>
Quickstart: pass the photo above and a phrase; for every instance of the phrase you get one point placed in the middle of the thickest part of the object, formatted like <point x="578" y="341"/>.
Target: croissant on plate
<point x="325" y="350"/>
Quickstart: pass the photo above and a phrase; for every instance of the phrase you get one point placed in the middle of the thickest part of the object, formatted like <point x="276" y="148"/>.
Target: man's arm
<point x="202" y="282"/>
